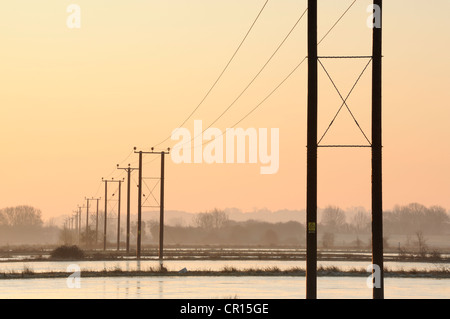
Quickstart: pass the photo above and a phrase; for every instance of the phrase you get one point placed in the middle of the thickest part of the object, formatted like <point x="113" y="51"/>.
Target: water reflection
<point x="138" y="265"/>
<point x="160" y="289"/>
<point x="221" y="287"/>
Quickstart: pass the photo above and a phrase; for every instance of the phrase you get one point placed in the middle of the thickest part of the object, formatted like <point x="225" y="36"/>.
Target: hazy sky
<point x="74" y="102"/>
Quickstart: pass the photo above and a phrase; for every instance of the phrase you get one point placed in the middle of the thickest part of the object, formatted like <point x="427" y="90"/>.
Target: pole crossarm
<point x="345" y="146"/>
<point x="345" y="57"/>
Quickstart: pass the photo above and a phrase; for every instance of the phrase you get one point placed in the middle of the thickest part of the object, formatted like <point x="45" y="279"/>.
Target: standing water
<point x="245" y="287"/>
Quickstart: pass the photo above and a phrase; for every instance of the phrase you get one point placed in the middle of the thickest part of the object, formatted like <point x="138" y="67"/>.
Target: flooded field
<point x="221" y="287"/>
<point x="206" y="286"/>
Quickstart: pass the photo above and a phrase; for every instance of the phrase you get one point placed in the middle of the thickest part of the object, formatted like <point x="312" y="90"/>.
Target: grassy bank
<point x="330" y="271"/>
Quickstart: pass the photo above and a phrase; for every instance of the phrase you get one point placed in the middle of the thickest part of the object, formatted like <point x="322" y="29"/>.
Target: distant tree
<point x="333" y="218"/>
<point x="153" y="227"/>
<point x="211" y="220"/>
<point x="20" y="216"/>
<point x="203" y="220"/>
<point x="438" y="218"/>
<point x="416" y="217"/>
<point x="361" y="222"/>
<point x="421" y="242"/>
<point x="3" y="219"/>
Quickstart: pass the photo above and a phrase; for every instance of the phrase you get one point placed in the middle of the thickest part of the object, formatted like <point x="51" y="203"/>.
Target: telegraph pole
<point x="79" y="223"/>
<point x="377" y="190"/>
<point x="106" y="207"/>
<point x="128" y="169"/>
<point x="96" y="222"/>
<point x="138" y="243"/>
<point x="311" y="188"/>
<point x="161" y="204"/>
<point x="161" y="211"/>
<point x="87" y="221"/>
<point x="105" y="214"/>
<point x="118" y="217"/>
<point x="75" y="221"/>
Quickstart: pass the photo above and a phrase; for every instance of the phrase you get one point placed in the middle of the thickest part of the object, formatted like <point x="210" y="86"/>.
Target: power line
<point x="260" y="71"/>
<point x="287" y="77"/>
<point x="270" y="94"/>
<point x="255" y="77"/>
<point x="264" y="99"/>
<point x="338" y="20"/>
<point x="223" y="71"/>
<point x="297" y="66"/>
<point x="112" y="172"/>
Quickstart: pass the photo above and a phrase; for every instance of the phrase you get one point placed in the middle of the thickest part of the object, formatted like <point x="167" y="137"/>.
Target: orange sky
<point x="74" y="102"/>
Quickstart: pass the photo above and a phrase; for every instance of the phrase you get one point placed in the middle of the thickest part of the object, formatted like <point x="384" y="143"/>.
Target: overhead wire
<point x="254" y="78"/>
<point x="221" y="73"/>
<point x="229" y="62"/>
<point x="288" y="76"/>
<point x="297" y="66"/>
<point x="335" y="24"/>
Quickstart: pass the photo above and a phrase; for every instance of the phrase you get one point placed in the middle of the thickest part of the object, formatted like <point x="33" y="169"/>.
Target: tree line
<point x="400" y="220"/>
<point x="24" y="225"/>
<point x="215" y="227"/>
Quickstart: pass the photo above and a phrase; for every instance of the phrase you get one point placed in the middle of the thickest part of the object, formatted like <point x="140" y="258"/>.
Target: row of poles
<point x="312" y="146"/>
<point x="76" y="221"/>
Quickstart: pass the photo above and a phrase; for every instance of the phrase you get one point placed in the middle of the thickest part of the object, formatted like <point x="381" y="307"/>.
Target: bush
<point x="67" y="252"/>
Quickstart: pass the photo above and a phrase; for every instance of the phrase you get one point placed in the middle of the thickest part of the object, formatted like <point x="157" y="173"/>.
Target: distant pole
<point x="96" y="224"/>
<point x="79" y="225"/>
<point x="128" y="207"/>
<point x="138" y="244"/>
<point x="161" y="212"/>
<point x="105" y="215"/>
<point x="377" y="190"/>
<point x="75" y="220"/>
<point x="87" y="221"/>
<point x="74" y="223"/>
<point x="128" y="170"/>
<point x="311" y="189"/>
<point x="106" y="207"/>
<point x="118" y="218"/>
